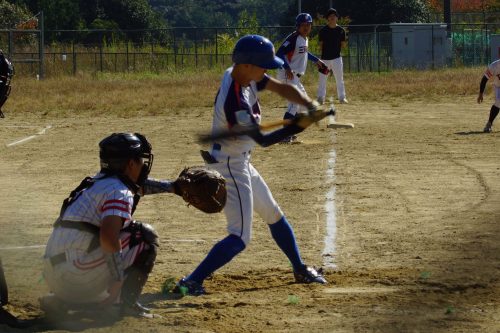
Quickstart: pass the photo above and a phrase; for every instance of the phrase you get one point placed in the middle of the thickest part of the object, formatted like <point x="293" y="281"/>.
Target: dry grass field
<point x="417" y="192"/>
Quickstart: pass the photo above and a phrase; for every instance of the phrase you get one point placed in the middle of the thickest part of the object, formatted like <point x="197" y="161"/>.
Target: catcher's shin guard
<point x="137" y="276"/>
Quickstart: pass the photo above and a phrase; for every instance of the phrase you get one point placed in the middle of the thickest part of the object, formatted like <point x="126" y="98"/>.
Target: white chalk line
<point x="31" y="137"/>
<point x="27" y="247"/>
<point x="330" y="209"/>
<point x="21" y="126"/>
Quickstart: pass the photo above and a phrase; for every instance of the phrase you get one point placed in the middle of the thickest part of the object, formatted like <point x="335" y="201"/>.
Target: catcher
<point x="6" y="73"/>
<point x="237" y="106"/>
<point x="98" y="255"/>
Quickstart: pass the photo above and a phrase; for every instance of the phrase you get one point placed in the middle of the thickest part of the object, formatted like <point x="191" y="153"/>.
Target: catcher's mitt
<point x="202" y="188"/>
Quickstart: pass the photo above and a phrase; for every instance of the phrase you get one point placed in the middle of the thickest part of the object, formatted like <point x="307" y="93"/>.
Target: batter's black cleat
<point x="309" y="275"/>
<point x="189" y="287"/>
<point x="487" y="128"/>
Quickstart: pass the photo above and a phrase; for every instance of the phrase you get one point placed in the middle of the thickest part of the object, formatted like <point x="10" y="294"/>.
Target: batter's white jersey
<point x="83" y="276"/>
<point x="493" y="72"/>
<point x="246" y="189"/>
<point x="236" y="105"/>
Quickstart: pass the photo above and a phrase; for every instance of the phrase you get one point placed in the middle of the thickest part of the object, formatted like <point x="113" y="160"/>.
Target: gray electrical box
<point x="420" y="45"/>
<point x="495" y="47"/>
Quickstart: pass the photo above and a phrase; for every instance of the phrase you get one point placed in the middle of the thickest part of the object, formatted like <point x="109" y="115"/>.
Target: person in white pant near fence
<point x="332" y="38"/>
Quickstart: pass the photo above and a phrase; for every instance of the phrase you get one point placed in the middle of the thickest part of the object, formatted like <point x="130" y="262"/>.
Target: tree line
<point x="160" y="14"/>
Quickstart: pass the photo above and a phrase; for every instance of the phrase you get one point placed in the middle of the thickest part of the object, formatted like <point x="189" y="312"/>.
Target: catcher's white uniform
<point x="76" y="271"/>
<point x="493" y="72"/>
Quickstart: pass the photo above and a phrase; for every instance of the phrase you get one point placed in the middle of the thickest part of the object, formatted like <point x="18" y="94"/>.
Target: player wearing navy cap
<point x="295" y="54"/>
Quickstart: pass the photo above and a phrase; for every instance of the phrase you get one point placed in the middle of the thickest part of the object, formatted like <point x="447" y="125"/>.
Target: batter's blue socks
<point x="282" y="233"/>
<point x="221" y="254"/>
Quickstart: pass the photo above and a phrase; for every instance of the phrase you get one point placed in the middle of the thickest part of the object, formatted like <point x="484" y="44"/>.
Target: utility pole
<point x="300" y="6"/>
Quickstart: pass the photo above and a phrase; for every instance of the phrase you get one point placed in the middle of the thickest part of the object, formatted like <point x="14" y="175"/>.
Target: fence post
<point x="463" y="45"/>
<point x="100" y="50"/>
<point x="41" y="68"/>
<point x="357" y="51"/>
<point x="195" y="48"/>
<point x="74" y="56"/>
<point x="127" y="55"/>
<point x="349" y="55"/>
<point x="377" y="36"/>
<point x="432" y="46"/>
<point x="216" y="47"/>
<point x="175" y="49"/>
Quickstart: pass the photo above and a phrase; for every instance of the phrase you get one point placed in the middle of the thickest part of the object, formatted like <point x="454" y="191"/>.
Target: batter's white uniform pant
<point x="292" y="108"/>
<point x="246" y="192"/>
<point x="82" y="277"/>
<point x="337" y="68"/>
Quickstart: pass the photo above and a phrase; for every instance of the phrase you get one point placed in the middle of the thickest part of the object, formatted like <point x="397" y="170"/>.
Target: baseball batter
<point x="237" y="106"/>
<point x="332" y="39"/>
<point x="97" y="253"/>
<point x="492" y="72"/>
<point x="295" y="54"/>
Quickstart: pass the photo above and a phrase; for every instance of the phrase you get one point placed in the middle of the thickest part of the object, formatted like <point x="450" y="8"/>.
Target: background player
<point x="6" y="73"/>
<point x="332" y="39"/>
<point x="237" y="106"/>
<point x="96" y="251"/>
<point x="493" y="71"/>
<point x="294" y="53"/>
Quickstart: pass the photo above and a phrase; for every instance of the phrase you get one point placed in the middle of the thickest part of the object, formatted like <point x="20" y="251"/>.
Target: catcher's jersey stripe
<point x="115" y="207"/>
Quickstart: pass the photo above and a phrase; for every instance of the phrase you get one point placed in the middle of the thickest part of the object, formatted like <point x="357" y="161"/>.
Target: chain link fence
<point x="370" y="48"/>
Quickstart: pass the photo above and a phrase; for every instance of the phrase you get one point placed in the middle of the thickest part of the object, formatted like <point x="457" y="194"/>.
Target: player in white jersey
<point x="295" y="54"/>
<point x="97" y="254"/>
<point x="492" y="72"/>
<point x="237" y="106"/>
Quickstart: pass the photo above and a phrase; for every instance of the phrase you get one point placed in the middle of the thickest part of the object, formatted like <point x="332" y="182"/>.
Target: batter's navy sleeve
<point x="261" y="85"/>
<point x="286" y="50"/>
<point x="266" y="140"/>
<point x="312" y="57"/>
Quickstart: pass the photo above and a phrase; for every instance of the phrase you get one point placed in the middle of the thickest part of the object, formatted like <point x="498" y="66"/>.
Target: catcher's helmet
<point x="256" y="50"/>
<point x="303" y="18"/>
<point x="118" y="148"/>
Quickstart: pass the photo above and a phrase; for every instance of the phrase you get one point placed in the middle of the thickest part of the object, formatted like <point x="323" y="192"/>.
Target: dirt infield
<point x="417" y="244"/>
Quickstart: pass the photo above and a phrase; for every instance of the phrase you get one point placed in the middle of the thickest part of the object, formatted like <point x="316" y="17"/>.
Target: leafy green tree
<point x="367" y="11"/>
<point x="12" y="14"/>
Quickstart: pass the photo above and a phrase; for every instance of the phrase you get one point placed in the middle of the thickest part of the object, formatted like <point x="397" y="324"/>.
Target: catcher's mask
<point x="118" y="148"/>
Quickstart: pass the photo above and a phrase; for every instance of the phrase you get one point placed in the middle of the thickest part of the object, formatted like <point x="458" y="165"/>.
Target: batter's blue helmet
<point x="256" y="50"/>
<point x="303" y="18"/>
